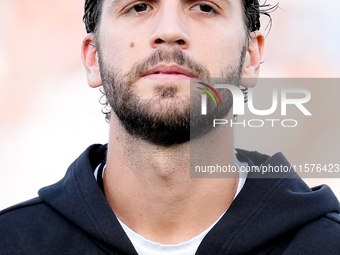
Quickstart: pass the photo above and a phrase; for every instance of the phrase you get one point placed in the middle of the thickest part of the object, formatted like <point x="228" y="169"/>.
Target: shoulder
<point x="18" y="223"/>
<point x="320" y="236"/>
<point x="23" y="224"/>
<point x="33" y="227"/>
<point x="20" y="212"/>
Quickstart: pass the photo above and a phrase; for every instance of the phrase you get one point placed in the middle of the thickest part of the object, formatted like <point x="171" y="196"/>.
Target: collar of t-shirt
<point x="144" y="246"/>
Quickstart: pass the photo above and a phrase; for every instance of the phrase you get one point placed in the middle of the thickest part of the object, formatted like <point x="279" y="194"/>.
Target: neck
<point x="150" y="189"/>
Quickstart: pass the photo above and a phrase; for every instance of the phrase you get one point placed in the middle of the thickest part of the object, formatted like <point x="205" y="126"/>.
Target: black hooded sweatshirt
<point x="269" y="216"/>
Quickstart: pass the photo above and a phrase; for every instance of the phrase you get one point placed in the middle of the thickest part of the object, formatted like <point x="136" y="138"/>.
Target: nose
<point x="170" y="28"/>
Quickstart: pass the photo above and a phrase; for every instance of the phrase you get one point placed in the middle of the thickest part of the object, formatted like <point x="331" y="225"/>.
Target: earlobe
<point x="252" y="61"/>
<point x="90" y="61"/>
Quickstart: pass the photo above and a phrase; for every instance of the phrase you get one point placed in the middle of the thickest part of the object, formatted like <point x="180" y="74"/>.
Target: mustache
<point x="165" y="56"/>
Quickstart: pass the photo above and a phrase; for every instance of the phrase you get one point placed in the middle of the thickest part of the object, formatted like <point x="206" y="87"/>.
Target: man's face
<point x="148" y="51"/>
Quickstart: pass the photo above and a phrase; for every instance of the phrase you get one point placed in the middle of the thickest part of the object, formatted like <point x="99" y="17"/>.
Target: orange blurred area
<point x="49" y="115"/>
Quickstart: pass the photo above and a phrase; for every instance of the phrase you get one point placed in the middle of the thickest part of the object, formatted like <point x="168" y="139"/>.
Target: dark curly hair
<point x="252" y="11"/>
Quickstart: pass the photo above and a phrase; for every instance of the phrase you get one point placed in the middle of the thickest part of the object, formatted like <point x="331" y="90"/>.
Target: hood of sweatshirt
<point x="263" y="214"/>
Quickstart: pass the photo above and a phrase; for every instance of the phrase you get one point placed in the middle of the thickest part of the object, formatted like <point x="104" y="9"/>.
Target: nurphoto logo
<point x="239" y="104"/>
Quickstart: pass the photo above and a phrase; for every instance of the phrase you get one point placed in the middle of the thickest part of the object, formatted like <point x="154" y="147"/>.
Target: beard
<point x="166" y="119"/>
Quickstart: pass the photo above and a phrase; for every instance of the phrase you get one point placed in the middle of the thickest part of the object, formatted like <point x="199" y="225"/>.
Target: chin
<point x="166" y="107"/>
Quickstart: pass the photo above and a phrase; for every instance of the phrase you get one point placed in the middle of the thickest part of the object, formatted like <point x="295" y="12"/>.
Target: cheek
<point x="218" y="56"/>
<point x="118" y="54"/>
<point x="219" y="37"/>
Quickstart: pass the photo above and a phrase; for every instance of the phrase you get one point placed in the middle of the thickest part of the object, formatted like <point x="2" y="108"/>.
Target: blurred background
<point x="49" y="115"/>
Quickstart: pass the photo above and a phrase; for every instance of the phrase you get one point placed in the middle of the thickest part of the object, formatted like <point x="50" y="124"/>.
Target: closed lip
<point x="169" y="69"/>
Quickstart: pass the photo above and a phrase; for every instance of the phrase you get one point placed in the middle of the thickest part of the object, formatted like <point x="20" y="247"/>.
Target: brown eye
<point x="141" y="7"/>
<point x="205" y="8"/>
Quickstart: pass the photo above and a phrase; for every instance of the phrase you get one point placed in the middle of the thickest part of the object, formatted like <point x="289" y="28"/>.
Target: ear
<point x="90" y="61"/>
<point x="252" y="61"/>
